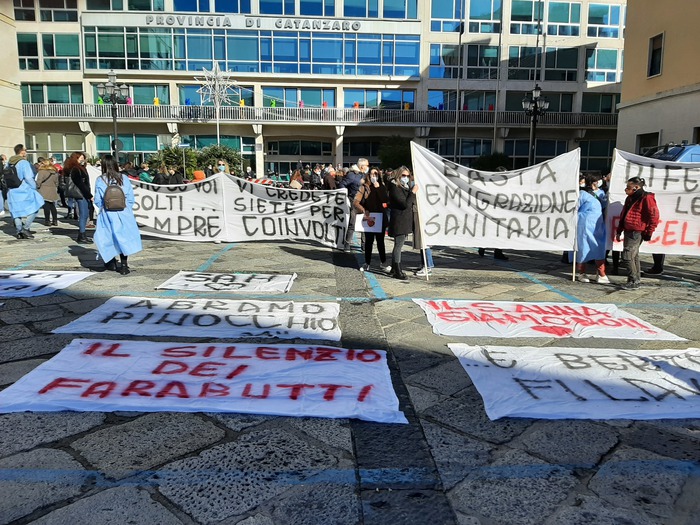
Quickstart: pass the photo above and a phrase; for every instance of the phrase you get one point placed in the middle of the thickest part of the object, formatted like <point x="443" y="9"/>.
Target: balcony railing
<point x="323" y="116"/>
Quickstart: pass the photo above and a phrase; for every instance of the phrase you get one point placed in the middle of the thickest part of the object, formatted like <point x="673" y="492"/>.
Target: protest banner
<point x="229" y="282"/>
<point x="210" y="318"/>
<point x="31" y="283"/>
<point x="105" y="376"/>
<point x="676" y="187"/>
<point x="467" y="318"/>
<point x="229" y="209"/>
<point x="529" y="209"/>
<point x="584" y="383"/>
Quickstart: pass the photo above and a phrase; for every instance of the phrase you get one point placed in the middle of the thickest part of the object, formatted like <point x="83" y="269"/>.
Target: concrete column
<point x="339" y="132"/>
<point x="260" y="168"/>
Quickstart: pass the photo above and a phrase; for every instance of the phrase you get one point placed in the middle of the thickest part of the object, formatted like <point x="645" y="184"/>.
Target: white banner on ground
<point x="210" y="318"/>
<point x="104" y="376"/>
<point x="228" y="209"/>
<point x="584" y="383"/>
<point x="529" y="209"/>
<point x="229" y="282"/>
<point x="31" y="283"/>
<point x="676" y="187"/>
<point x="465" y="318"/>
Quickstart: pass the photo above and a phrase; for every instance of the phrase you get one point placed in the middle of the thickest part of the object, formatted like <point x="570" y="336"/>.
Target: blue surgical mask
<point x="404" y="181"/>
<point x="222" y="168"/>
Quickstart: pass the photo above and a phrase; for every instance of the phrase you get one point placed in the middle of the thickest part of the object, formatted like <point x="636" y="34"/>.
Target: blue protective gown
<point x="116" y="232"/>
<point x="590" y="231"/>
<point x="25" y="200"/>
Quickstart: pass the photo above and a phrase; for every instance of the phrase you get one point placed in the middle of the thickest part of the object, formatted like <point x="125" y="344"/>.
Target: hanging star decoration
<point x="216" y="86"/>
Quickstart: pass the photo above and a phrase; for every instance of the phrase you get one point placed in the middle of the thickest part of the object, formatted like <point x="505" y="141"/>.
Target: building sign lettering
<point x="253" y="22"/>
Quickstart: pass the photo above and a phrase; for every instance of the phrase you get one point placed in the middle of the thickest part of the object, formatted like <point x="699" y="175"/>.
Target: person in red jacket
<point x="639" y="219"/>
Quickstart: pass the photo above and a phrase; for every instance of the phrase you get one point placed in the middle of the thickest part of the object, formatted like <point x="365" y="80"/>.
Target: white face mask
<point x="373" y="179"/>
<point x="404" y="181"/>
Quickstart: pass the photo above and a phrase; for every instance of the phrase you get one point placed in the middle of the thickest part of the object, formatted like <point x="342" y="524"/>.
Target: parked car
<point x="678" y="153"/>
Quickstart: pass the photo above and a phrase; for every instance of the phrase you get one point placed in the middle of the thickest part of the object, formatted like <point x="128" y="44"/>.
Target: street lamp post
<point x="535" y="106"/>
<point x="113" y="94"/>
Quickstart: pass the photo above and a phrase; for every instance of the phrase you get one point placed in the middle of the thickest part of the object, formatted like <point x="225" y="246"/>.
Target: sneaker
<point x="583" y="278"/>
<point x="27" y="234"/>
<point x="20" y="235"/>
<point x="632" y="285"/>
<point x="423" y="272"/>
<point x="90" y="225"/>
<point x="653" y="271"/>
<point x="364" y="268"/>
<point x="603" y="279"/>
<point x="385" y="267"/>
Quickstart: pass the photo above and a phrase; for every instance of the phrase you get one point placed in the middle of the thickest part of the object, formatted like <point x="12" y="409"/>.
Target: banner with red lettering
<point x="31" y="283"/>
<point x="676" y="187"/>
<point x="584" y="383"/>
<point x="283" y="380"/>
<point x="229" y="282"/>
<point x="210" y="318"/>
<point x="532" y="208"/>
<point x="465" y="318"/>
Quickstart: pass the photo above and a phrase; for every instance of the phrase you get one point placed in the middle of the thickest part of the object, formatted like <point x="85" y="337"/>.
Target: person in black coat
<point x="401" y="199"/>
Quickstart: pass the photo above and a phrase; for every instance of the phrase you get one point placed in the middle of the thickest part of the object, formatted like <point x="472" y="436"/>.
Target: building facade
<point x="660" y="101"/>
<point x="323" y="80"/>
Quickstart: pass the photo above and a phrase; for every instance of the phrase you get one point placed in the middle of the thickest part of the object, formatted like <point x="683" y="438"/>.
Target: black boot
<point x="498" y="254"/>
<point x="124" y="268"/>
<point x="83" y="239"/>
<point x="111" y="265"/>
<point x="397" y="273"/>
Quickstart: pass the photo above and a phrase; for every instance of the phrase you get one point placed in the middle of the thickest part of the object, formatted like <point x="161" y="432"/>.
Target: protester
<point x="329" y="182"/>
<point x="47" y="185"/>
<point x="372" y="198"/>
<point x="222" y="166"/>
<point x="590" y="232"/>
<point x="638" y="220"/>
<point x="658" y="267"/>
<point x="3" y="189"/>
<point x="161" y="177"/>
<point x="117" y="232"/>
<point x="24" y="201"/>
<point x="352" y="181"/>
<point x="75" y="169"/>
<point x="296" y="182"/>
<point x="401" y="199"/>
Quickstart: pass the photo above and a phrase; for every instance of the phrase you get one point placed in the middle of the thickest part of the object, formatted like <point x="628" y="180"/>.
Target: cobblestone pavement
<point x="450" y="465"/>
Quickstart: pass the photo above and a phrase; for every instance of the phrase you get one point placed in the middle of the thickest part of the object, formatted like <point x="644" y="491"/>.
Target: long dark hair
<point x="73" y="163"/>
<point x="110" y="169"/>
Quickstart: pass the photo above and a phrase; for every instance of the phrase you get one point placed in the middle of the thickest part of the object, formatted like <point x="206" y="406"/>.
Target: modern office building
<point x="323" y="80"/>
<point x="661" y="91"/>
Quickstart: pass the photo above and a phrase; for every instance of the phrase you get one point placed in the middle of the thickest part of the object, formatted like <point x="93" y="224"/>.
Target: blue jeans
<point x="428" y="257"/>
<point x="82" y="214"/>
<point x="24" y="223"/>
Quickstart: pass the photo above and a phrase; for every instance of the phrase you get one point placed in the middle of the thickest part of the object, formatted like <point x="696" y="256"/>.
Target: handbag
<point x="72" y="191"/>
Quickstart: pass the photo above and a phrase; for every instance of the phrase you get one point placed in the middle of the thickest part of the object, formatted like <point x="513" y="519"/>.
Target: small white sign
<point x="229" y="282"/>
<point x="32" y="283"/>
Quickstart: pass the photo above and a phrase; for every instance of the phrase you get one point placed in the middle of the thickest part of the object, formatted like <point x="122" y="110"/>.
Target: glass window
<point x="444" y="60"/>
<point x="601" y="65"/>
<point x="327" y="51"/>
<point x="523" y="63"/>
<point x="28" y="51"/>
<point x="276" y="7"/>
<point x="58" y="10"/>
<point x="317" y="7"/>
<point x="482" y="61"/>
<point x="361" y="8"/>
<point x="656" y="51"/>
<point x="400" y="9"/>
<point x="485" y="16"/>
<point x="603" y="20"/>
<point x="231" y="6"/>
<point x="526" y="16"/>
<point x="561" y="64"/>
<point x="564" y="19"/>
<point x="24" y="10"/>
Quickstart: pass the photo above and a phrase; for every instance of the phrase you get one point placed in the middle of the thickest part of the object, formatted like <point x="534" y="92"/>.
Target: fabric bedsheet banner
<point x="676" y="187"/>
<point x="105" y="376"/>
<point x="229" y="209"/>
<point x="478" y="318"/>
<point x="584" y="383"/>
<point x="31" y="283"/>
<point x="528" y="209"/>
<point x="210" y="318"/>
<point x="229" y="282"/>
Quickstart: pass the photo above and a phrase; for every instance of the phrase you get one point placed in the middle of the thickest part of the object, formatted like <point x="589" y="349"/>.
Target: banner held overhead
<point x="529" y="209"/>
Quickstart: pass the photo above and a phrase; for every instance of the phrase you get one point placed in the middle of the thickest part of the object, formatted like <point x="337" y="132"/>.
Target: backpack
<point x="10" y="177"/>
<point x="114" y="198"/>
